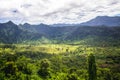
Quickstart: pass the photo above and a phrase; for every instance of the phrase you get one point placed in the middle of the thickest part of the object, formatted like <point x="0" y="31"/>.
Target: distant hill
<point x="103" y="21"/>
<point x="9" y="32"/>
<point x="48" y="31"/>
<point x="12" y="33"/>
<point x="61" y="25"/>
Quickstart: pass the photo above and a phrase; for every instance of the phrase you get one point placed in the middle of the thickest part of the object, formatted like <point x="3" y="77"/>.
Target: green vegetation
<point x="41" y="52"/>
<point x="92" y="67"/>
<point x="59" y="62"/>
<point x="11" y="33"/>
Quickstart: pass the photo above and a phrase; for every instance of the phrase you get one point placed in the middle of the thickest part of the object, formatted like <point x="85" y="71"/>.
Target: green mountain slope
<point x="11" y="33"/>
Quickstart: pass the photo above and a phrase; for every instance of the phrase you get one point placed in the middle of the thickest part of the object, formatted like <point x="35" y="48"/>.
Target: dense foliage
<point x="92" y="67"/>
<point x="22" y="62"/>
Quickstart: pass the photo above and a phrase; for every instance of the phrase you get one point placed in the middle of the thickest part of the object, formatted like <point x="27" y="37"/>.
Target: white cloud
<point x="56" y="11"/>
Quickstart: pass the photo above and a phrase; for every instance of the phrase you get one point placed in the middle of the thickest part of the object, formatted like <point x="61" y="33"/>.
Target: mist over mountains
<point x="102" y="28"/>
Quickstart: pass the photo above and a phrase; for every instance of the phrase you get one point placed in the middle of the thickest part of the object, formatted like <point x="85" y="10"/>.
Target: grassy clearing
<point x="48" y="48"/>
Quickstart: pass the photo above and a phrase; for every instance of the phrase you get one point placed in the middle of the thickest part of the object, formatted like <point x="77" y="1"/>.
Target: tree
<point x="92" y="67"/>
<point x="44" y="68"/>
<point x="72" y="76"/>
<point x="10" y="68"/>
<point x="2" y="76"/>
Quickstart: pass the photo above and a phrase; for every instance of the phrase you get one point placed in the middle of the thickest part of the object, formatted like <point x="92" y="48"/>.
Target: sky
<point x="56" y="11"/>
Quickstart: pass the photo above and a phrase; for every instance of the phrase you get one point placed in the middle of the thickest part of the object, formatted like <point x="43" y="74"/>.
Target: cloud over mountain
<point x="54" y="11"/>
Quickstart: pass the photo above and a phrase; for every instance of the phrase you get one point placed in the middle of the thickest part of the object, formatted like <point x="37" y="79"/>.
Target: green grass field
<point x="49" y="48"/>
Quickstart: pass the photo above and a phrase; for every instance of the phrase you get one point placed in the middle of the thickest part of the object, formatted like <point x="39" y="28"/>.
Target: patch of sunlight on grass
<point x="49" y="48"/>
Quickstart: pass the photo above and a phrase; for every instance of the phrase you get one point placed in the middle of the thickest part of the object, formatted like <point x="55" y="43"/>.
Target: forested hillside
<point x="12" y="33"/>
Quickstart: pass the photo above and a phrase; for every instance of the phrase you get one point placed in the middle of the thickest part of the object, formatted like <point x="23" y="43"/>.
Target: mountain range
<point x="100" y="29"/>
<point x="103" y="21"/>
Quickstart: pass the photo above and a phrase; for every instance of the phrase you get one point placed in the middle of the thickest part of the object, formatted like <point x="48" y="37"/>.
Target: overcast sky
<point x="56" y="11"/>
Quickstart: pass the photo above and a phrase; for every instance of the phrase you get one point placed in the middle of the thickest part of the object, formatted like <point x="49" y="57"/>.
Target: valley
<point x="59" y="52"/>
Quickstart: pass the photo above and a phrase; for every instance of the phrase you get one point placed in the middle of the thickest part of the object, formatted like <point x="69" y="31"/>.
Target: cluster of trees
<point x="22" y="69"/>
<point x="30" y="65"/>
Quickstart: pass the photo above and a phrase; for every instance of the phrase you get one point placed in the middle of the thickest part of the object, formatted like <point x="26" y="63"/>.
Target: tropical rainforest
<point x="47" y="52"/>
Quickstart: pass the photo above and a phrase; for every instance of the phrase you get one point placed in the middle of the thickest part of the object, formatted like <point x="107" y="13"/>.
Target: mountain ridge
<point x="12" y="33"/>
<point x="103" y="21"/>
